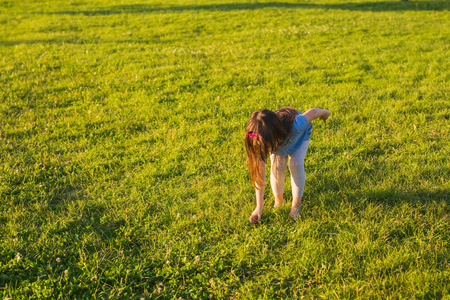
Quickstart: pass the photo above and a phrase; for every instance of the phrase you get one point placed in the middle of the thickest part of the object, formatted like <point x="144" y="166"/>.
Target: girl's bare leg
<point x="298" y="178"/>
<point x="277" y="174"/>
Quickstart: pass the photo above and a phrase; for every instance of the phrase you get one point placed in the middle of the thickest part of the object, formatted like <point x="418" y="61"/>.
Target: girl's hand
<point x="256" y="216"/>
<point x="325" y="114"/>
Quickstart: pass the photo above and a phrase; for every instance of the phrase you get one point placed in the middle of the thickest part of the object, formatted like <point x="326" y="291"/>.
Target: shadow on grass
<point x="96" y="218"/>
<point x="390" y="197"/>
<point x="351" y="6"/>
<point x="87" y="236"/>
<point x="393" y="197"/>
<point x="76" y="41"/>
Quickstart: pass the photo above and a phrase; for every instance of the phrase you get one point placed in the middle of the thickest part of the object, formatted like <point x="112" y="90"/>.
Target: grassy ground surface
<point x="122" y="166"/>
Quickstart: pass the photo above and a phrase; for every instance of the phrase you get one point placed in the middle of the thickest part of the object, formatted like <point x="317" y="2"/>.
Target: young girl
<point x="282" y="133"/>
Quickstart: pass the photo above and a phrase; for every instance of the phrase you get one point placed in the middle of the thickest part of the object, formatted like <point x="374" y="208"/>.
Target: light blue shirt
<point x="301" y="131"/>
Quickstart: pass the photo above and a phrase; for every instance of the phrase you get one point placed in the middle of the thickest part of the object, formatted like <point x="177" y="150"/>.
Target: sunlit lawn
<point x="122" y="165"/>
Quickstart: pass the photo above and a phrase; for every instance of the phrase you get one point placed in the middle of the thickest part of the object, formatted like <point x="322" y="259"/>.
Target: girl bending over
<point x="282" y="133"/>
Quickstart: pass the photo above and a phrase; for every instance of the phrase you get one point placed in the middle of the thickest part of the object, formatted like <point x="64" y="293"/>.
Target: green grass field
<point x="122" y="163"/>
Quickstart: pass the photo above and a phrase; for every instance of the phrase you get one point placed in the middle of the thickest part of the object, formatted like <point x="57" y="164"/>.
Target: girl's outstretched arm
<point x="257" y="213"/>
<point x="315" y="113"/>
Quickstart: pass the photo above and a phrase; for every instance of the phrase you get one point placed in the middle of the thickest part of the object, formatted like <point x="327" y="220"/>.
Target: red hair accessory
<point x="253" y="135"/>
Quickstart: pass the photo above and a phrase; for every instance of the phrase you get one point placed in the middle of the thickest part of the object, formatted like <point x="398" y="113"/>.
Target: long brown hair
<point x="263" y="133"/>
<point x="287" y="117"/>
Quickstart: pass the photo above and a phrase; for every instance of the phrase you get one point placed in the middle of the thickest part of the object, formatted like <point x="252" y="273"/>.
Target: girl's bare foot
<point x="295" y="213"/>
<point x="278" y="200"/>
<point x="296" y="208"/>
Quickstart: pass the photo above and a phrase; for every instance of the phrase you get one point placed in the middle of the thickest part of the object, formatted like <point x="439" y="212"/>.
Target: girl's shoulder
<point x="300" y="123"/>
